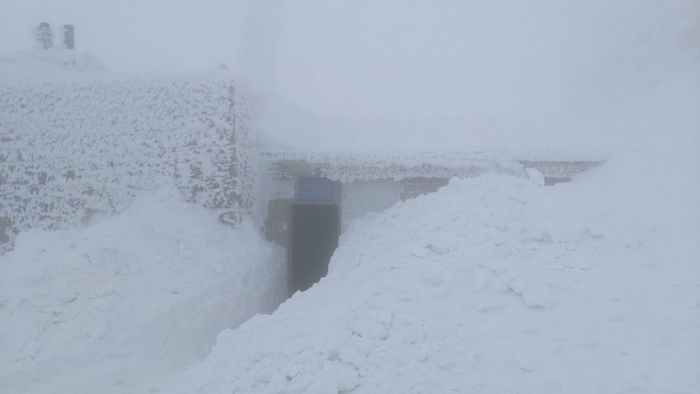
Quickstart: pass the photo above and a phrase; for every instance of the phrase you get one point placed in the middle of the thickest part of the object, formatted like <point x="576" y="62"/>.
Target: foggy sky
<point x="368" y="58"/>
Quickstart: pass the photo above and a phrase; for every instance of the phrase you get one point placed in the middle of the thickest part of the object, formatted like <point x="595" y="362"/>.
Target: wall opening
<point x="314" y="237"/>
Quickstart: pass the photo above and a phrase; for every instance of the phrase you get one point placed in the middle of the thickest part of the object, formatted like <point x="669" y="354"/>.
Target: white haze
<point x="570" y="76"/>
<point x="616" y="249"/>
<point x="382" y="59"/>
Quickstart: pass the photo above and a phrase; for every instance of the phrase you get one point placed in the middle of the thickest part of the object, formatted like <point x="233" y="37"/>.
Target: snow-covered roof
<point x="47" y="62"/>
<point x="370" y="166"/>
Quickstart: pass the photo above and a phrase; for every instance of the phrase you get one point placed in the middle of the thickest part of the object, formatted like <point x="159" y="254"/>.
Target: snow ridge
<point x="490" y="285"/>
<point x="122" y="305"/>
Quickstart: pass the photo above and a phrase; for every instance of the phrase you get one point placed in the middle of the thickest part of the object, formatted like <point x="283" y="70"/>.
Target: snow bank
<point x="121" y="305"/>
<point x="491" y="285"/>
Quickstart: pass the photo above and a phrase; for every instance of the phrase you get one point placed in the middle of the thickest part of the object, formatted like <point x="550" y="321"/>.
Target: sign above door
<point x="314" y="189"/>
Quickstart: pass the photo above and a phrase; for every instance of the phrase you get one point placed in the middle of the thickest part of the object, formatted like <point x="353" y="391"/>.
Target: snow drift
<point x="491" y="285"/>
<point x="121" y="305"/>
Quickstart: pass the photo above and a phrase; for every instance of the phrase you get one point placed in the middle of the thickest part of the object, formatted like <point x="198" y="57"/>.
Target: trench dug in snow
<point x="490" y="284"/>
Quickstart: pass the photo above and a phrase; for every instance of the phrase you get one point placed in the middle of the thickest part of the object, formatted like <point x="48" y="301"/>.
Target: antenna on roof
<point x="69" y="36"/>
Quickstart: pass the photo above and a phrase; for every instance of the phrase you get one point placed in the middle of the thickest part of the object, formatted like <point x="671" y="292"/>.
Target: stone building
<point x="75" y="140"/>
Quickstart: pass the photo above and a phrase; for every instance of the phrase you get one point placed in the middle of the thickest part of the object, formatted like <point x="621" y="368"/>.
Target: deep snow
<point x="498" y="285"/>
<point x="127" y="302"/>
<point x="491" y="285"/>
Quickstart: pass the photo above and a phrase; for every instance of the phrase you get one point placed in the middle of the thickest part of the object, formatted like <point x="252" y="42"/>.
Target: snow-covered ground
<point x="491" y="285"/>
<point x="128" y="302"/>
<point x="497" y="285"/>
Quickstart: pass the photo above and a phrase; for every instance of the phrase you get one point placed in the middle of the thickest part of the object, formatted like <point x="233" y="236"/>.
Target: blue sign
<point x="314" y="189"/>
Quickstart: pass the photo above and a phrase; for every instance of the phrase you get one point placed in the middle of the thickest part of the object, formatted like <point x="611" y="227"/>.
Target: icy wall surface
<point x="76" y="144"/>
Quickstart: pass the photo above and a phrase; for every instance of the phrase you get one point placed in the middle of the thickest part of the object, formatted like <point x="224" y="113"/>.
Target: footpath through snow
<point x="124" y="304"/>
<point x="491" y="285"/>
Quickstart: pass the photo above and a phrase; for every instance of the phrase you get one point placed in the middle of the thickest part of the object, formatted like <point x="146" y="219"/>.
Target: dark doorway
<point x="315" y="233"/>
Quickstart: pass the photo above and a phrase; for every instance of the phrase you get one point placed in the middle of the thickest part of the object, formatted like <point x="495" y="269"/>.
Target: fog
<point x="390" y="59"/>
<point x="558" y="75"/>
<point x="373" y="196"/>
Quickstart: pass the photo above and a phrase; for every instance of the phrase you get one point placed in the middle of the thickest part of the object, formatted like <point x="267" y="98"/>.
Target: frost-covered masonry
<point x="80" y="143"/>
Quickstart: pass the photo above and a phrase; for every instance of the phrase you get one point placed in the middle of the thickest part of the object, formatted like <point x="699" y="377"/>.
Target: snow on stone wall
<point x="76" y="145"/>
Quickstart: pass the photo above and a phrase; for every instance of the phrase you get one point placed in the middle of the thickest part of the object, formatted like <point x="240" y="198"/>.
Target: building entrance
<point x="314" y="237"/>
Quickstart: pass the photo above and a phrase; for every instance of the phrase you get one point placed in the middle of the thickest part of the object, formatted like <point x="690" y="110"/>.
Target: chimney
<point x="43" y="36"/>
<point x="69" y="36"/>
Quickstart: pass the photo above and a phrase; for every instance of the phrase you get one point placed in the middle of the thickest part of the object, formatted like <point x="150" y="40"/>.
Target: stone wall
<point x="76" y="145"/>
